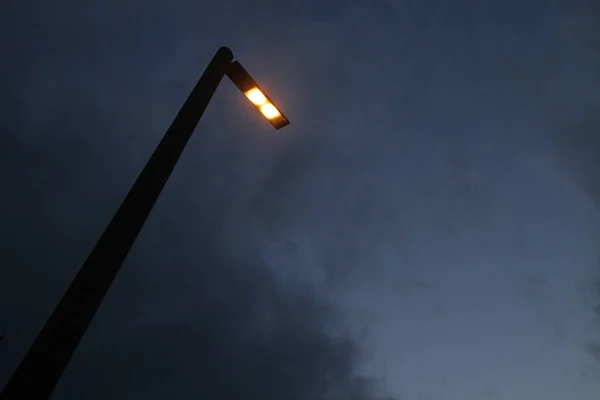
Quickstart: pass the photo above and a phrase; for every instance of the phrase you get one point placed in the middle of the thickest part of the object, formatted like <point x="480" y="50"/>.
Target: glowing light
<point x="269" y="111"/>
<point x="256" y="97"/>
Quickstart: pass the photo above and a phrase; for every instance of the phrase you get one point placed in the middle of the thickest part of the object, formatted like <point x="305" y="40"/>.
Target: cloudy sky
<point x="426" y="229"/>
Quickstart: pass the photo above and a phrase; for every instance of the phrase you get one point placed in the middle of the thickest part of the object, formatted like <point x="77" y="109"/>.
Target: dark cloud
<point x="577" y="149"/>
<point x="90" y="89"/>
<point x="409" y="121"/>
<point x="575" y="135"/>
<point x="231" y="330"/>
<point x="574" y="125"/>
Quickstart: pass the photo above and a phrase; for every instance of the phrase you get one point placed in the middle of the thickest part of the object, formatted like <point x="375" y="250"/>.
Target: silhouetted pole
<point x="38" y="373"/>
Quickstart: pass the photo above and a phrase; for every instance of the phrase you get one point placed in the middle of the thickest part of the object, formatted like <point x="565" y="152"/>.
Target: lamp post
<point x="38" y="373"/>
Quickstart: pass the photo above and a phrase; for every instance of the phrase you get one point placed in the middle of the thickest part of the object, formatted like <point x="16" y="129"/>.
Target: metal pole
<point x="38" y="373"/>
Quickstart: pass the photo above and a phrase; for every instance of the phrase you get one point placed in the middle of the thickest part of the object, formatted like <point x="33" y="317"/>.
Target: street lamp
<point x="38" y="373"/>
<point x="242" y="79"/>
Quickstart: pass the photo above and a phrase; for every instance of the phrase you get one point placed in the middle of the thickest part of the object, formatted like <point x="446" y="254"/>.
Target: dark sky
<point x="427" y="228"/>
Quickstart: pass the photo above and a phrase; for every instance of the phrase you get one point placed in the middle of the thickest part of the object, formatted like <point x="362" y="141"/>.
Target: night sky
<point x="427" y="228"/>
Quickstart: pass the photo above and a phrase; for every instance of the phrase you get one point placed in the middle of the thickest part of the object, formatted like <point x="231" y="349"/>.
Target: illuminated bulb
<point x="256" y="96"/>
<point x="269" y="111"/>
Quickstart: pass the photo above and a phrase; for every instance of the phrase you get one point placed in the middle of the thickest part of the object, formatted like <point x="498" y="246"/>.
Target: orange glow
<point x="256" y="97"/>
<point x="269" y="111"/>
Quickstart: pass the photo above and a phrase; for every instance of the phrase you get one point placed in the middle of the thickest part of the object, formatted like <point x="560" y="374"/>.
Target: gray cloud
<point x="393" y="203"/>
<point x="192" y="314"/>
<point x="575" y="136"/>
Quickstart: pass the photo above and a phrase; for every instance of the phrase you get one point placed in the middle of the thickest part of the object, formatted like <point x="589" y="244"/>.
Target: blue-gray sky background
<point x="427" y="228"/>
